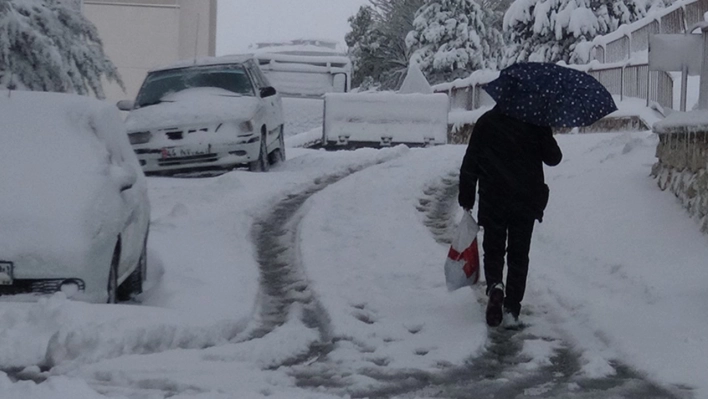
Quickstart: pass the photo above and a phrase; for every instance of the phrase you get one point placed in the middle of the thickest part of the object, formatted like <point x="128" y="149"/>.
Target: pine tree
<point x="551" y="30"/>
<point x="377" y="42"/>
<point x="394" y="21"/>
<point x="362" y="47"/>
<point x="452" y="38"/>
<point x="47" y="46"/>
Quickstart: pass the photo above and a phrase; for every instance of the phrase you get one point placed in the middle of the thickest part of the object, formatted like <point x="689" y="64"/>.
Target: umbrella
<point x="547" y="94"/>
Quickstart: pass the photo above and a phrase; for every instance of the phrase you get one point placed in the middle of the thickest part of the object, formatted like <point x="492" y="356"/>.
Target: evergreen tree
<point x="452" y="38"/>
<point x="363" y="43"/>
<point x="551" y="30"/>
<point x="377" y="42"/>
<point x="47" y="46"/>
<point x="394" y="21"/>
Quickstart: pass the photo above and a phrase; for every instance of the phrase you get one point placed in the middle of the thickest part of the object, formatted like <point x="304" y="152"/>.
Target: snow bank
<point x="53" y="388"/>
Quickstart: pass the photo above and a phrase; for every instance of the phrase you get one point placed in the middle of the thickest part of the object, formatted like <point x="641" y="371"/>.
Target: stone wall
<point x="682" y="167"/>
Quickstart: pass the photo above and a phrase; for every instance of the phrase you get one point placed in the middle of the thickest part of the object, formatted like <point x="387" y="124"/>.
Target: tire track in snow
<point x="499" y="371"/>
<point x="284" y="284"/>
<point x="504" y="369"/>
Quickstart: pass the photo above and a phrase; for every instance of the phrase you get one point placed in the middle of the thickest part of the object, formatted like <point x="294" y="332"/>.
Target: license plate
<point x="176" y="152"/>
<point x="6" y="273"/>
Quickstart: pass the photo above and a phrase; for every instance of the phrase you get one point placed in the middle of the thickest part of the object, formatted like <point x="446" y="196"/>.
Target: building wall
<point x="139" y="35"/>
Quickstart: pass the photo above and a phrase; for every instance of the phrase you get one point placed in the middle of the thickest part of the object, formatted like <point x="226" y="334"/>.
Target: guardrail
<point x="619" y="45"/>
<point x="611" y="61"/>
<point x="630" y="80"/>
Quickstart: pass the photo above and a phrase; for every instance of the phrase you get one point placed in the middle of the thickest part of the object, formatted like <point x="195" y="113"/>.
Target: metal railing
<point x="623" y="78"/>
<point x="676" y="19"/>
<point x="635" y="81"/>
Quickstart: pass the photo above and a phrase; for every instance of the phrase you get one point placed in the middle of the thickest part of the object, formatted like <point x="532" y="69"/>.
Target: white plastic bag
<point x="462" y="262"/>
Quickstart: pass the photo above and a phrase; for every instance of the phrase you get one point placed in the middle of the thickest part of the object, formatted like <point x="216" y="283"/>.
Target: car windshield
<point x="161" y="83"/>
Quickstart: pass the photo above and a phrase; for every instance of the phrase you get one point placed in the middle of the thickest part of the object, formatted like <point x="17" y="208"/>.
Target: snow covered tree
<point x="550" y="30"/>
<point x="363" y="43"/>
<point x="452" y="38"/>
<point x="47" y="46"/>
<point x="377" y="42"/>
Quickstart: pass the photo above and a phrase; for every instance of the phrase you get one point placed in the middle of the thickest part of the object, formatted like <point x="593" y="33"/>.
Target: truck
<point x="305" y="68"/>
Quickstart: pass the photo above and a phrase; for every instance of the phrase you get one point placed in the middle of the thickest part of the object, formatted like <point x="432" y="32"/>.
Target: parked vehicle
<point x="74" y="209"/>
<point x="218" y="112"/>
<point x="305" y="68"/>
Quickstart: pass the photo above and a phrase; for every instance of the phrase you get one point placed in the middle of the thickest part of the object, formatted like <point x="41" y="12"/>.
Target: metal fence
<point x="630" y="80"/>
<point x="635" y="81"/>
<point x="677" y="20"/>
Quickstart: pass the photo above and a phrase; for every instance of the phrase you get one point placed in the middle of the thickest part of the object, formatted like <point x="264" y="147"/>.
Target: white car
<point x="74" y="209"/>
<point x="218" y="112"/>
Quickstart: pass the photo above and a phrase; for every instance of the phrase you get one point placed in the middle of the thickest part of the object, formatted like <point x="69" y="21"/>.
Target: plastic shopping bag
<point x="462" y="263"/>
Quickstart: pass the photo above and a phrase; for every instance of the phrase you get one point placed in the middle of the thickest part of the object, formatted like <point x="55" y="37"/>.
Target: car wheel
<point x="278" y="155"/>
<point x="112" y="286"/>
<point x="133" y="285"/>
<point x="261" y="164"/>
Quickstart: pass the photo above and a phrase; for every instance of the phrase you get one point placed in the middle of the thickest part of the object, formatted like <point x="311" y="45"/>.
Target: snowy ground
<point x="323" y="278"/>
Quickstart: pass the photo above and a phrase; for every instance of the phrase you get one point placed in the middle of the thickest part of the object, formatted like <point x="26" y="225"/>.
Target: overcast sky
<point x="241" y="23"/>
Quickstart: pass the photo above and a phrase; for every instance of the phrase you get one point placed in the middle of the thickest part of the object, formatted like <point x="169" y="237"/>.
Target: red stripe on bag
<point x="470" y="256"/>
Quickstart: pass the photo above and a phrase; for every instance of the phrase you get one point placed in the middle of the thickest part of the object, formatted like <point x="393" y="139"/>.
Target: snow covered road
<point x="323" y="278"/>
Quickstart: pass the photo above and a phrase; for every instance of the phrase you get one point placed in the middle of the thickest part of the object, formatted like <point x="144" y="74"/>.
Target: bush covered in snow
<point x="46" y="45"/>
<point x="550" y="30"/>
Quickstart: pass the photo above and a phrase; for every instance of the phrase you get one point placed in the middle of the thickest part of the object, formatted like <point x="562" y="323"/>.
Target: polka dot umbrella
<point x="547" y="94"/>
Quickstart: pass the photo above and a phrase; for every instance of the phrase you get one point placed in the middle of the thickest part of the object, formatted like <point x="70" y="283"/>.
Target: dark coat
<point x="506" y="156"/>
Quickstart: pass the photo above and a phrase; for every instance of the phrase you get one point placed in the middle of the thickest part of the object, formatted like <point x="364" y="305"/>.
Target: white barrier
<point x="355" y="120"/>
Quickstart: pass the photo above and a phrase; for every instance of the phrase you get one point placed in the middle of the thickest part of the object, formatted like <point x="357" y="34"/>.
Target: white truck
<point x="305" y="68"/>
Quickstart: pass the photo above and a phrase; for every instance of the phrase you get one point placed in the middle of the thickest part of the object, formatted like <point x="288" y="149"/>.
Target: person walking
<point x="505" y="157"/>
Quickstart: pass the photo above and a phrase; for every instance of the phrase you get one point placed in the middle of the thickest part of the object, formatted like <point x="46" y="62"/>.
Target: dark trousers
<point x="508" y="235"/>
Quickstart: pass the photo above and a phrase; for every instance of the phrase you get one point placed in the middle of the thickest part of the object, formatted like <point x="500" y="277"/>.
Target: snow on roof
<point x="204" y="61"/>
<point x="334" y="60"/>
<point x="301" y="49"/>
<point x="313" y="44"/>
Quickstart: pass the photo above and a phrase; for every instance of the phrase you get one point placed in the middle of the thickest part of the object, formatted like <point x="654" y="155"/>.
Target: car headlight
<point x="139" y="137"/>
<point x="246" y="127"/>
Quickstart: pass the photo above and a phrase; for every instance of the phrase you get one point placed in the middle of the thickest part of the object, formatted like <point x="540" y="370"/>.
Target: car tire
<point x="112" y="285"/>
<point x="278" y="155"/>
<point x="133" y="285"/>
<point x="261" y="164"/>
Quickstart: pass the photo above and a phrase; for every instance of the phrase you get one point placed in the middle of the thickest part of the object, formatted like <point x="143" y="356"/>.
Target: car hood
<point x="192" y="107"/>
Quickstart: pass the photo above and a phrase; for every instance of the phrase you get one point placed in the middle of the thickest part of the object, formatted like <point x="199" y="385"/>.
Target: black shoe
<point x="511" y="319"/>
<point x="494" y="306"/>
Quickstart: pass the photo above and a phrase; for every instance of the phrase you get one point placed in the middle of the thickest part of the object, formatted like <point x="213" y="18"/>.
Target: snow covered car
<point x="74" y="209"/>
<point x="218" y="112"/>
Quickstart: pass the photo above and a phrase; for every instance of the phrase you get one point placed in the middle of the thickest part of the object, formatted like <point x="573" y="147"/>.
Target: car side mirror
<point x="125" y="105"/>
<point x="267" y="91"/>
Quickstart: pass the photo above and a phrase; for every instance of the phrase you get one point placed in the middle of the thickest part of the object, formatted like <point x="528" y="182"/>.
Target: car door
<point x="273" y="108"/>
<point x="126" y="171"/>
